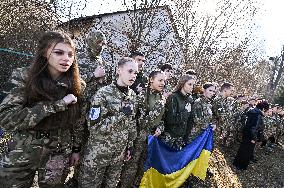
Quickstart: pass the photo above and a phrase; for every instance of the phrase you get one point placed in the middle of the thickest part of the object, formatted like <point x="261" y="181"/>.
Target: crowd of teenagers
<point x="61" y="112"/>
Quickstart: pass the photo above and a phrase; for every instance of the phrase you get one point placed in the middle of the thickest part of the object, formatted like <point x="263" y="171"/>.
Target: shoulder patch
<point x="95" y="113"/>
<point x="197" y="100"/>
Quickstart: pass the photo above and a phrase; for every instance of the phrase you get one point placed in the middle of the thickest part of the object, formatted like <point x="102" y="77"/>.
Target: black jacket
<point x="254" y="124"/>
<point x="176" y="118"/>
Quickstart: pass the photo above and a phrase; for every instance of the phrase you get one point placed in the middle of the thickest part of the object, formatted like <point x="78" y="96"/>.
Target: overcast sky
<point x="272" y="26"/>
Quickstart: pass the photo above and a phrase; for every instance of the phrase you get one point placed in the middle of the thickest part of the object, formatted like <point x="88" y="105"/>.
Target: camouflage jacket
<point x="169" y="87"/>
<point x="222" y="108"/>
<point x="270" y="126"/>
<point x="151" y="107"/>
<point x="141" y="80"/>
<point x="16" y="116"/>
<point x="87" y="68"/>
<point x="202" y="114"/>
<point x="107" y="121"/>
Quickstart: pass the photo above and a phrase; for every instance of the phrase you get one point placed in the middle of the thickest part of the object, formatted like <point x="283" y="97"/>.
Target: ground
<point x="267" y="172"/>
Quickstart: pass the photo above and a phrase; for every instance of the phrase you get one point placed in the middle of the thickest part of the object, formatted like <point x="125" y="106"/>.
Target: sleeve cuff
<point x="76" y="149"/>
<point x="60" y="105"/>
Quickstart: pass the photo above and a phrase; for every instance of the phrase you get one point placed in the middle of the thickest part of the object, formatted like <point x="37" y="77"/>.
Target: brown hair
<point x="226" y="85"/>
<point x="39" y="84"/>
<point x="182" y="81"/>
<point x="152" y="75"/>
<point x="39" y="76"/>
<point x="124" y="60"/>
<point x="207" y="85"/>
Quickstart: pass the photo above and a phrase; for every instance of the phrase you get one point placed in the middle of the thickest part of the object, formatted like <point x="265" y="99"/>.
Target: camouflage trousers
<point x="99" y="176"/>
<point x="174" y="142"/>
<point x="27" y="155"/>
<point x="133" y="169"/>
<point x="102" y="161"/>
<point x="226" y="133"/>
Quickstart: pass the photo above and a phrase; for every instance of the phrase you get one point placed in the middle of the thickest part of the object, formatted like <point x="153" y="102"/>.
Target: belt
<point x="42" y="134"/>
<point x="45" y="134"/>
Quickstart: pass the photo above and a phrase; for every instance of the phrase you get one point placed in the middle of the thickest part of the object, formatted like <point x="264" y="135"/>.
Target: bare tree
<point x="276" y="67"/>
<point x="206" y="32"/>
<point x="21" y="24"/>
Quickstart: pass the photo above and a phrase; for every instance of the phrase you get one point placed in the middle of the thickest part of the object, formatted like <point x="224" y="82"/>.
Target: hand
<point x="99" y="72"/>
<point x="74" y="160"/>
<point x="127" y="156"/>
<point x="70" y="99"/>
<point x="157" y="132"/>
<point x="166" y="94"/>
<point x="139" y="88"/>
<point x="252" y="141"/>
<point x="213" y="126"/>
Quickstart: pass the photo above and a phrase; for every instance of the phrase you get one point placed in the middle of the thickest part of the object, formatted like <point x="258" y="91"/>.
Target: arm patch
<point x="95" y="113"/>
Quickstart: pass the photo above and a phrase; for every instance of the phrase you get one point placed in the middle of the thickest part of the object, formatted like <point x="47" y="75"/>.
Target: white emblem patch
<point x="188" y="107"/>
<point x="209" y="110"/>
<point x="95" y="113"/>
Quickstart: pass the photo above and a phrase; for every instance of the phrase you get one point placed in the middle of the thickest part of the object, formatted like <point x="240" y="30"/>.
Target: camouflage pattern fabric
<point x="90" y="61"/>
<point x="111" y="133"/>
<point x="151" y="105"/>
<point x="30" y="149"/>
<point x="270" y="126"/>
<point x="239" y="120"/>
<point x="279" y="129"/>
<point x="87" y="68"/>
<point x="169" y="87"/>
<point x="202" y="115"/>
<point x="141" y="81"/>
<point x="223" y="112"/>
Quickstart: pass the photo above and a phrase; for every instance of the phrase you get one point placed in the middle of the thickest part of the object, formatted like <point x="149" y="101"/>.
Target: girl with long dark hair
<point x="177" y="116"/>
<point x="41" y="112"/>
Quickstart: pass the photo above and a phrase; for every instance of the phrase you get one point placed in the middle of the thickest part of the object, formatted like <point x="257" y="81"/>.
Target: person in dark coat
<point x="251" y="133"/>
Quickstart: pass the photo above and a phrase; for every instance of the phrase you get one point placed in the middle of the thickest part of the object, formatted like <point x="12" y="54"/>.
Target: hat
<point x="96" y="36"/>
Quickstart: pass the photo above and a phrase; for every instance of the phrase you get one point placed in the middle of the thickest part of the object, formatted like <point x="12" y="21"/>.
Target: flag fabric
<point x="166" y="167"/>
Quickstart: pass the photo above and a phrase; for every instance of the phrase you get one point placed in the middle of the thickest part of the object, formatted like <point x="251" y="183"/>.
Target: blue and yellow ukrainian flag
<point x="167" y="167"/>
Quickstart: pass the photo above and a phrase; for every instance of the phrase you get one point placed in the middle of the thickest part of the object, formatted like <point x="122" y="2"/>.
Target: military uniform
<point x="141" y="80"/>
<point x="239" y="119"/>
<point x="168" y="87"/>
<point x="270" y="126"/>
<point x="279" y="130"/>
<point x="112" y="128"/>
<point x="38" y="133"/>
<point x="223" y="112"/>
<point x="177" y="120"/>
<point x="89" y="63"/>
<point x="202" y="115"/>
<point x="16" y="80"/>
<point x="151" y="105"/>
